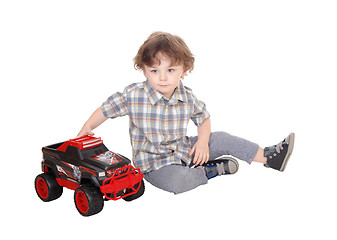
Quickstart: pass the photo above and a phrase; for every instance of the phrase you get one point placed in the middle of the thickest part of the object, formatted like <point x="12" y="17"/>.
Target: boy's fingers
<point x="201" y="159"/>
<point x="198" y="158"/>
<point x="192" y="151"/>
<point x="195" y="159"/>
<point x="207" y="158"/>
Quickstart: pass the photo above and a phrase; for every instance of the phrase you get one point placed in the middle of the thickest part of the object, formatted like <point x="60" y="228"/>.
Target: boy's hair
<point x="172" y="46"/>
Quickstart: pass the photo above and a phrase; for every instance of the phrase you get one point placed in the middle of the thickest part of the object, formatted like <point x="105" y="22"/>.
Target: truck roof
<point x="83" y="142"/>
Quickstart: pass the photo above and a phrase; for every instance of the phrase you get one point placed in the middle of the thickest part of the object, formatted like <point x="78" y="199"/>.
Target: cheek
<point x="149" y="75"/>
<point x="175" y="83"/>
<point x="176" y="78"/>
<point x="147" y="72"/>
<point x="153" y="82"/>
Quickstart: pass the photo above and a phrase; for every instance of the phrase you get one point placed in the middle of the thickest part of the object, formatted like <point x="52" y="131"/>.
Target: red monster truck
<point x="96" y="174"/>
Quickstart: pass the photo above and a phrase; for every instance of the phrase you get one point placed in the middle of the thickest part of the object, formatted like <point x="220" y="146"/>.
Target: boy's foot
<point x="220" y="166"/>
<point x="278" y="155"/>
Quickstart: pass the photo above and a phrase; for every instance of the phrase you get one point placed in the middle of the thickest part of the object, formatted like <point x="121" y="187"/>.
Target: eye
<point x="154" y="71"/>
<point x="171" y="70"/>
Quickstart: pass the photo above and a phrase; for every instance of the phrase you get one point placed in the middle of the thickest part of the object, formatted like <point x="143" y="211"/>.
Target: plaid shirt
<point x="157" y="126"/>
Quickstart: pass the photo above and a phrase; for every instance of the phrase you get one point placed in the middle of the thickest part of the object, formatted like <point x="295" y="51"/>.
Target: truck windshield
<point x="90" y="152"/>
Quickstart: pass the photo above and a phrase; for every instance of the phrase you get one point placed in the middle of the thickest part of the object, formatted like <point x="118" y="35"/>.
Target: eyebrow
<point x="172" y="66"/>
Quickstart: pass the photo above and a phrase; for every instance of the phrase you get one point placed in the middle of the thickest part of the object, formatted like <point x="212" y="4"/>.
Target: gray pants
<point x="179" y="178"/>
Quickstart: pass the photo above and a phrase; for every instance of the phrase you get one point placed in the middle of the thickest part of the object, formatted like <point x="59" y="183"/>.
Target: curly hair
<point x="170" y="45"/>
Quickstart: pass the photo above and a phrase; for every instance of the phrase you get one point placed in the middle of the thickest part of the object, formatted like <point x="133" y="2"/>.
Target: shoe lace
<point x="272" y="150"/>
<point x="279" y="147"/>
<point x="220" y="168"/>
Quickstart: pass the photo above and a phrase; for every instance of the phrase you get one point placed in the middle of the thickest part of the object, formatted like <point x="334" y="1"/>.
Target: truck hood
<point x="108" y="160"/>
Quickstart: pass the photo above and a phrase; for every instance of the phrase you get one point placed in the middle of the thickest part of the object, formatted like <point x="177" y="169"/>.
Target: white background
<point x="264" y="69"/>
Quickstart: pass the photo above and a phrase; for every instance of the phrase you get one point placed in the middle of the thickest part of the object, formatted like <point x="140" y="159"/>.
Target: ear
<point x="184" y="74"/>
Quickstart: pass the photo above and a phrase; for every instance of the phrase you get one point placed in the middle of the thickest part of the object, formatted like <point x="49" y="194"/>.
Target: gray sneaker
<point x="220" y="166"/>
<point x="278" y="155"/>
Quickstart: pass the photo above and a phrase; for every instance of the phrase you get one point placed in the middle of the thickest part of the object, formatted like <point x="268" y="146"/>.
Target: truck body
<point x="87" y="162"/>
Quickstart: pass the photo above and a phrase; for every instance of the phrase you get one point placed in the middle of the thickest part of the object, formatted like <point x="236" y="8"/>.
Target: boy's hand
<point x="84" y="132"/>
<point x="201" y="153"/>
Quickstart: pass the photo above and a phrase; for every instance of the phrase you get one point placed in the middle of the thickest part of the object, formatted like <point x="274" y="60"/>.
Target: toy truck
<point x="96" y="174"/>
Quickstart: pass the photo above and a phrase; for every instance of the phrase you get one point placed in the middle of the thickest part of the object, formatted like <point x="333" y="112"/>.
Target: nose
<point x="163" y="76"/>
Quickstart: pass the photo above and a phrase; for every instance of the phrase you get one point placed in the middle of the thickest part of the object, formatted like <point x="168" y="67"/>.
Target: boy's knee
<point x="220" y="135"/>
<point x="219" y="139"/>
<point x="176" y="178"/>
<point x="188" y="180"/>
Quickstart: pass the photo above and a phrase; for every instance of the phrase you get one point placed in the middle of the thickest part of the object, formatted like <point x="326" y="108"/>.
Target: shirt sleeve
<point x="200" y="113"/>
<point x="115" y="105"/>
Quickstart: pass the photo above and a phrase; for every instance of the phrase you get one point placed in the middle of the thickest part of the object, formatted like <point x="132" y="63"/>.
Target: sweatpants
<point x="181" y="178"/>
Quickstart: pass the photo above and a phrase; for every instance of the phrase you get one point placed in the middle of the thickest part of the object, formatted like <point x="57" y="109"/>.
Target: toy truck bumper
<point x="123" y="179"/>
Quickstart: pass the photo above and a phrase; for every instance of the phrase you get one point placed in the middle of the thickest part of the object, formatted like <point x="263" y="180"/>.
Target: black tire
<point x="47" y="187"/>
<point x="137" y="194"/>
<point x="88" y="200"/>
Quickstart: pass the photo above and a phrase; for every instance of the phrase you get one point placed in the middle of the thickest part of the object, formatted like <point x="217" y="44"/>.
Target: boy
<point x="159" y="110"/>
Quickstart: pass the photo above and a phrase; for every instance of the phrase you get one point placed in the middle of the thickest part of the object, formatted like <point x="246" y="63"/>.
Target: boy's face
<point x="164" y="77"/>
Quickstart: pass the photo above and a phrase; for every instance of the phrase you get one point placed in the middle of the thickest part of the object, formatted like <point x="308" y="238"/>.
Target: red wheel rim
<point x="82" y="202"/>
<point x="42" y="188"/>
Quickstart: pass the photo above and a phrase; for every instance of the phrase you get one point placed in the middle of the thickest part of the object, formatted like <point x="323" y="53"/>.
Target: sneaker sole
<point x="291" y="141"/>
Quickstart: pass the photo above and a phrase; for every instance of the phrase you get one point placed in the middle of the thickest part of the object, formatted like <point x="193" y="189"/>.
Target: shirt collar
<point x="180" y="93"/>
<point x="155" y="96"/>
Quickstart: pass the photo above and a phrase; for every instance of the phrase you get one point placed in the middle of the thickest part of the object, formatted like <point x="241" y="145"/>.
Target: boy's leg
<point x="276" y="156"/>
<point x="176" y="178"/>
<point x="259" y="157"/>
<point x="222" y="143"/>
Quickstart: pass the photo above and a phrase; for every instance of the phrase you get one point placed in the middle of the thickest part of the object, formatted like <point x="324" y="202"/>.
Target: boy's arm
<point x="200" y="148"/>
<point x="96" y="119"/>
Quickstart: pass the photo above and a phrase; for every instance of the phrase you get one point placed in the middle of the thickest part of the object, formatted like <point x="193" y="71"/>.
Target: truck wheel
<point x="137" y="194"/>
<point x="88" y="200"/>
<point x="47" y="187"/>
